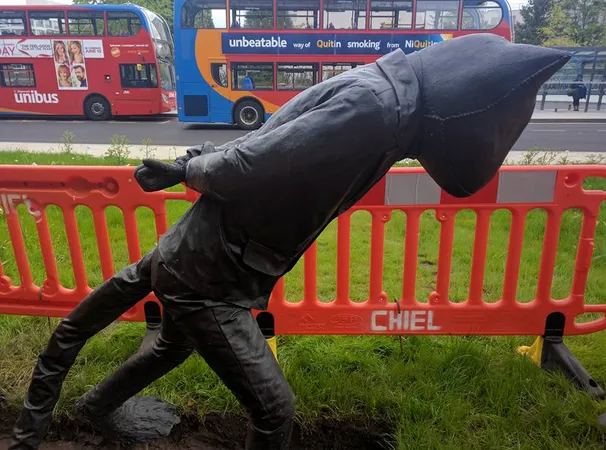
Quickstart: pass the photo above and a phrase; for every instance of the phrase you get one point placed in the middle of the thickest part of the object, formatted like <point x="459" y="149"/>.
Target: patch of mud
<point x="215" y="432"/>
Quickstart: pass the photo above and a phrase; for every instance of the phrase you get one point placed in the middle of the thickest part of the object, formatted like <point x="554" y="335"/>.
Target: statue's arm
<point x="353" y="117"/>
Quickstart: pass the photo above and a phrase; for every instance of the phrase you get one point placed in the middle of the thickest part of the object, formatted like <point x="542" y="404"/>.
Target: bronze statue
<point x="458" y="107"/>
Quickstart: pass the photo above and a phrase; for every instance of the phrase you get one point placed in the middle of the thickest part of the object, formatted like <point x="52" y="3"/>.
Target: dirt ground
<point x="71" y="445"/>
<point x="214" y="433"/>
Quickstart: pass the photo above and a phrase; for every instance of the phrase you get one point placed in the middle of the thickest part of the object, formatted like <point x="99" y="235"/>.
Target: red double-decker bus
<point x="96" y="61"/>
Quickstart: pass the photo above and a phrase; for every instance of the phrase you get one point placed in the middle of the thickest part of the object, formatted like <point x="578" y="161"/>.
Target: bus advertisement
<point x="238" y="62"/>
<point x="96" y="61"/>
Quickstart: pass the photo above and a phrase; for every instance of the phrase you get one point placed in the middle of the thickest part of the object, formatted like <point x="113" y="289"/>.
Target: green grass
<point x="436" y="392"/>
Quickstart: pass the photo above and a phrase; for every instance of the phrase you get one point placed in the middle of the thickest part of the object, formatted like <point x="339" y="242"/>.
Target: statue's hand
<point x="155" y="175"/>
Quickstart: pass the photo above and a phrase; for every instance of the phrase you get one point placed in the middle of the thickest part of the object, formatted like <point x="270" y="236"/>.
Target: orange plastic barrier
<point x="555" y="189"/>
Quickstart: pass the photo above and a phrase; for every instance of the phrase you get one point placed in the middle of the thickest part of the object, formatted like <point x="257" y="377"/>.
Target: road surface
<point x="573" y="136"/>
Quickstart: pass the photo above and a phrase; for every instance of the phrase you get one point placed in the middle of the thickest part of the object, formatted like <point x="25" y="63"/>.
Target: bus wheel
<point x="97" y="108"/>
<point x="249" y="115"/>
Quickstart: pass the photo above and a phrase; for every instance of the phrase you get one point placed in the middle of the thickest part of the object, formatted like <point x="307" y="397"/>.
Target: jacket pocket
<point x="265" y="260"/>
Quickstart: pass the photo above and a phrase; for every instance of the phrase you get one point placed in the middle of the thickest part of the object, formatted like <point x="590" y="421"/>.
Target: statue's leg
<point x="98" y="310"/>
<point x="230" y="340"/>
<point x="170" y="348"/>
<point x="232" y="344"/>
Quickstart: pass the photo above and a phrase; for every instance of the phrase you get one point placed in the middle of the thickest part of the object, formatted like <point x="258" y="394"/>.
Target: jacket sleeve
<point x="351" y="121"/>
<point x="236" y="141"/>
<point x="192" y="152"/>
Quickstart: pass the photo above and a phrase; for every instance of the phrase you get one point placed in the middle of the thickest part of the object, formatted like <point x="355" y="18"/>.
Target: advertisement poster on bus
<point x="43" y="48"/>
<point x="25" y="48"/>
<point x="326" y="43"/>
<point x="70" y="64"/>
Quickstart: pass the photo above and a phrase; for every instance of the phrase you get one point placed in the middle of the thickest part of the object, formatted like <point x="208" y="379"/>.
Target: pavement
<point x="171" y="152"/>
<point x="581" y="134"/>
<point x="568" y="116"/>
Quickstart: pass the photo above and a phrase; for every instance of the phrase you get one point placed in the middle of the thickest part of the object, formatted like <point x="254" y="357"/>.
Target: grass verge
<point x="434" y="392"/>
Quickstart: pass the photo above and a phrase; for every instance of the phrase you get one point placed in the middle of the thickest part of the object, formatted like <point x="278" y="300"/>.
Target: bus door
<point x="220" y="107"/>
<point x="202" y="102"/>
<point x="138" y="83"/>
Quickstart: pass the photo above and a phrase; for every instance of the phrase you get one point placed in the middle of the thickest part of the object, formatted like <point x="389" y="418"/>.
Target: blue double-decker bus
<point x="239" y="62"/>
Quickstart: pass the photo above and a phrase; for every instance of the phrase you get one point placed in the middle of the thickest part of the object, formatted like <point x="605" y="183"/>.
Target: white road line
<point x="560" y="123"/>
<point x="548" y="131"/>
<point x="167" y="121"/>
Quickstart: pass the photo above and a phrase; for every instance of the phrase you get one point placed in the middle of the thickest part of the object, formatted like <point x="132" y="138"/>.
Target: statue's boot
<point x="277" y="439"/>
<point x="98" y="310"/>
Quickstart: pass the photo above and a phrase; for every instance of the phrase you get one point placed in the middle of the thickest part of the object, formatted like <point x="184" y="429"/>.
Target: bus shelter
<point x="588" y="67"/>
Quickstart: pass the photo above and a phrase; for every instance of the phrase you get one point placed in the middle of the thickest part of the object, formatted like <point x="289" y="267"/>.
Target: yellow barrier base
<point x="273" y="344"/>
<point x="534" y="352"/>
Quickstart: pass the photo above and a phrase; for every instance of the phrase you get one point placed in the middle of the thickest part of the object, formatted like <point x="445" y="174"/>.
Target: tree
<point x="587" y="21"/>
<point x="577" y="23"/>
<point x="535" y="15"/>
<point x="557" y="31"/>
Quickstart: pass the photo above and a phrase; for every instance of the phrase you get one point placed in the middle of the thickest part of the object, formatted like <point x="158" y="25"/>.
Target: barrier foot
<point x="153" y="320"/>
<point x="273" y="344"/>
<point x="556" y="356"/>
<point x="551" y="354"/>
<point x="534" y="352"/>
<point x="265" y="320"/>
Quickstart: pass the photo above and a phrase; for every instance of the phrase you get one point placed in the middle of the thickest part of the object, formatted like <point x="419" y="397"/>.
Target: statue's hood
<point x="477" y="94"/>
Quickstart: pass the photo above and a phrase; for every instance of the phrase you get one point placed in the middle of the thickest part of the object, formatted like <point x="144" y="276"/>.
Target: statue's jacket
<point x="267" y="196"/>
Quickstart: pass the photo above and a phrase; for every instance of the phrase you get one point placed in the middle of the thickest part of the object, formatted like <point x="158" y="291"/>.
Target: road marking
<point x="559" y="123"/>
<point x="548" y="131"/>
<point x="601" y="131"/>
<point x="167" y="121"/>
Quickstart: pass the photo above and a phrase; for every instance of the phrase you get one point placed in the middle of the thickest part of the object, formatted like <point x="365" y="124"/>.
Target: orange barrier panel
<point x="519" y="190"/>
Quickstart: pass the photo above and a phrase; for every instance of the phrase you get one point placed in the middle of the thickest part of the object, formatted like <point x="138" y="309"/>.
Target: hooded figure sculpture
<point x="457" y="107"/>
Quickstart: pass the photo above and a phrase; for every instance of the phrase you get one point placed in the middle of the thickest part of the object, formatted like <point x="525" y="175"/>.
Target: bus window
<point x="12" y="23"/>
<point x="299" y="14"/>
<point x="251" y="14"/>
<point x="17" y="75"/>
<point x="330" y="70"/>
<point x="204" y="14"/>
<point x="85" y="23"/>
<point x="219" y="72"/>
<point x="437" y="15"/>
<point x="252" y="76"/>
<point x="391" y="14"/>
<point x="481" y="15"/>
<point x="296" y="77"/>
<point x="123" y="23"/>
<point x="138" y="76"/>
<point x="47" y="23"/>
<point x="167" y="76"/>
<point x="345" y="14"/>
